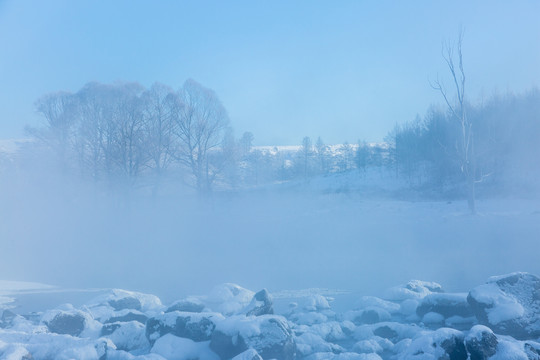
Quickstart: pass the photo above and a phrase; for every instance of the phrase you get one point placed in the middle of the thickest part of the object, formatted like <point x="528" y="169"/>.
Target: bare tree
<point x="457" y="107"/>
<point x="246" y="143"/>
<point x="305" y="153"/>
<point x="161" y="107"/>
<point x="322" y="154"/>
<point x="201" y="125"/>
<point x="59" y="110"/>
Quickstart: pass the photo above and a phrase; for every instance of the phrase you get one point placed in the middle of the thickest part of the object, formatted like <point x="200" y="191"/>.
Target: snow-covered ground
<point x="417" y="320"/>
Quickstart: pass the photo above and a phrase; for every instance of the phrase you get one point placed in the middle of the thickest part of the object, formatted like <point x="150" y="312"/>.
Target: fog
<point x="300" y="234"/>
<point x="279" y="180"/>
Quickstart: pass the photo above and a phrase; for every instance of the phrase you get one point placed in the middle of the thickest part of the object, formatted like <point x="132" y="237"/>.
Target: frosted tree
<point x="161" y="108"/>
<point x="200" y="129"/>
<point x="453" y="57"/>
<point x="322" y="154"/>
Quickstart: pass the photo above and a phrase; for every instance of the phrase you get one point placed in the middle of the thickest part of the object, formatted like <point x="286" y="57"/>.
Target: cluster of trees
<point x="503" y="145"/>
<point x="125" y="134"/>
<point x="122" y="132"/>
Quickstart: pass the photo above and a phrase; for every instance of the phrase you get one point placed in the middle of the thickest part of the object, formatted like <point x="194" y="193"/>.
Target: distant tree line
<point x="123" y="134"/>
<point x="504" y="135"/>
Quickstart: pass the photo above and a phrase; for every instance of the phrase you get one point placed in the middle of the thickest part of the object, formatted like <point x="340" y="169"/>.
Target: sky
<point x="342" y="70"/>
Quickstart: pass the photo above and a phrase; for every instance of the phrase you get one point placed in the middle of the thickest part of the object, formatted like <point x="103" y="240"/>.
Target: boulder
<point x="7" y="318"/>
<point x="128" y="302"/>
<point x="372" y="315"/>
<point x="269" y="335"/>
<point x="414" y="289"/>
<point x="67" y="322"/>
<point x="442" y="344"/>
<point x="128" y="316"/>
<point x="229" y="299"/>
<point x="249" y="354"/>
<point x="186" y="305"/>
<point x="532" y="350"/>
<point x="261" y="304"/>
<point x="194" y="326"/>
<point x="126" y="336"/>
<point x="447" y="305"/>
<point x="481" y="343"/>
<point x="509" y="304"/>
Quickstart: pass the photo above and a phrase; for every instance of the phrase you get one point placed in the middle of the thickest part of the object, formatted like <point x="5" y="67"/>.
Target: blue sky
<point x="344" y="70"/>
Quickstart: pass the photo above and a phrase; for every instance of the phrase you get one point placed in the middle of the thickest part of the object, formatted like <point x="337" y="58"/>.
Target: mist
<point x="232" y="181"/>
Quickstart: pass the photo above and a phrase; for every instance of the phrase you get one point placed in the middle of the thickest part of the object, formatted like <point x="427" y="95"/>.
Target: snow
<point x="509" y="350"/>
<point x="433" y="318"/>
<point x="174" y="348"/>
<point x="503" y="307"/>
<point x="332" y="336"/>
<point x="229" y="298"/>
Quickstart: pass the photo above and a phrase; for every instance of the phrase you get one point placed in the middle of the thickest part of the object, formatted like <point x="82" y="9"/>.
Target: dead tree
<point x="465" y="143"/>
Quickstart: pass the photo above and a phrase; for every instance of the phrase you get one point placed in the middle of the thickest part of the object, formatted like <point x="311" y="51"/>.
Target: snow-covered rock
<point x="447" y="305"/>
<point x="509" y="304"/>
<point x="249" y="354"/>
<point x="117" y="300"/>
<point x="229" y="299"/>
<point x="176" y="348"/>
<point x="70" y="321"/>
<point x="441" y="344"/>
<point x="261" y="304"/>
<point x="414" y="289"/>
<point x="194" y="326"/>
<point x="481" y="343"/>
<point x="187" y="305"/>
<point x="127" y="336"/>
<point x="270" y="335"/>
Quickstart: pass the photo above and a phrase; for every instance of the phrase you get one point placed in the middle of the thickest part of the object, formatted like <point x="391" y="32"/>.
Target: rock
<point x="128" y="302"/>
<point x="70" y="323"/>
<point x="386" y="332"/>
<point x="315" y="303"/>
<point x="249" y="354"/>
<point x="261" y="304"/>
<point x="15" y="352"/>
<point x="194" y="326"/>
<point x="269" y="335"/>
<point x="447" y="305"/>
<point x="414" y="289"/>
<point x="7" y="318"/>
<point x="128" y="316"/>
<point x="442" y="344"/>
<point x="454" y="347"/>
<point x="373" y="315"/>
<point x="481" y="343"/>
<point x="186" y="305"/>
<point x="532" y="350"/>
<point x="229" y="299"/>
<point x="509" y="304"/>
<point x="127" y="336"/>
